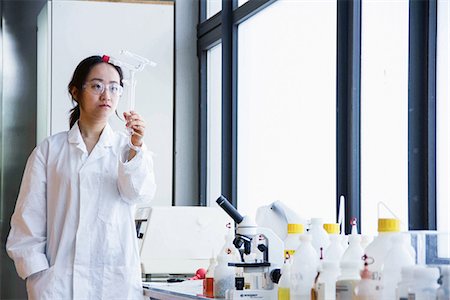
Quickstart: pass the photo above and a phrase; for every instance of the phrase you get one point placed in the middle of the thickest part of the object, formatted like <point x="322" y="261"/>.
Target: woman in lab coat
<point x="72" y="233"/>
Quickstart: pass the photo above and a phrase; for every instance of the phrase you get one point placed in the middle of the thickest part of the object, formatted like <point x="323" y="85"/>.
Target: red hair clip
<point x="105" y="58"/>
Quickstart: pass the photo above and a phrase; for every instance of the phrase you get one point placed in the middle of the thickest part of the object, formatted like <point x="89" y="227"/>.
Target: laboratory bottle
<point x="404" y="286"/>
<point x="208" y="282"/>
<point x="344" y="241"/>
<point x="304" y="269"/>
<point x="396" y="258"/>
<point x="284" y="285"/>
<point x="367" y="288"/>
<point x="381" y="244"/>
<point x="335" y="250"/>
<point x="320" y="240"/>
<point x="425" y="284"/>
<point x="292" y="240"/>
<point x="326" y="282"/>
<point x="348" y="280"/>
<point x="443" y="292"/>
<point x="228" y="247"/>
<point x="365" y="241"/>
<point x="223" y="276"/>
<point x="354" y="250"/>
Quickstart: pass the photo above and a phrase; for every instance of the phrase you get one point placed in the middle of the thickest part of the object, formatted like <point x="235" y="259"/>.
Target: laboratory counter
<point x="189" y="289"/>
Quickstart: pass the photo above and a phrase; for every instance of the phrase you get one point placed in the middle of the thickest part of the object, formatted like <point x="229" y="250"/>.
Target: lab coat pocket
<point x="40" y="284"/>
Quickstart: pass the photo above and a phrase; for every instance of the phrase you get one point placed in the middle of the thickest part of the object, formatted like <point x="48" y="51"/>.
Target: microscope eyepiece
<point x="229" y="209"/>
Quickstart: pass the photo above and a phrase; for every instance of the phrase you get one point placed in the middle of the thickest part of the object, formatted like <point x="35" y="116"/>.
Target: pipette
<point x="129" y="80"/>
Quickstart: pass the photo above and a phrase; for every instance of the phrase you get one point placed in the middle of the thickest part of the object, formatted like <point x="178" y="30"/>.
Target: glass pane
<point x="213" y="7"/>
<point x="384" y="111"/>
<point x="241" y="2"/>
<point x="287" y="108"/>
<point x="214" y="129"/>
<point x="443" y="120"/>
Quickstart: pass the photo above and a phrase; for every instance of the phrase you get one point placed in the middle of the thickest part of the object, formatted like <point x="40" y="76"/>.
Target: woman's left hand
<point x="137" y="124"/>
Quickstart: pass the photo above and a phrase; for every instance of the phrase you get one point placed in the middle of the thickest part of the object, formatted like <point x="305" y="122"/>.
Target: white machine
<point x="178" y="240"/>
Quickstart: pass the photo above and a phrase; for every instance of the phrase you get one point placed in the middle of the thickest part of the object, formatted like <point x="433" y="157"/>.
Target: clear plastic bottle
<point x="425" y="284"/>
<point x="396" y="258"/>
<point x="320" y="240"/>
<point x="223" y="276"/>
<point x="443" y="292"/>
<point x="284" y="285"/>
<point x="326" y="282"/>
<point x="208" y="282"/>
<point x="304" y="269"/>
<point x="348" y="280"/>
<point x="292" y="240"/>
<point x="404" y="286"/>
<point x="381" y="244"/>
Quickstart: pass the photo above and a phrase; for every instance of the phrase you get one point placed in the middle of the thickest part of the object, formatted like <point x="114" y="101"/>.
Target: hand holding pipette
<point x="136" y="124"/>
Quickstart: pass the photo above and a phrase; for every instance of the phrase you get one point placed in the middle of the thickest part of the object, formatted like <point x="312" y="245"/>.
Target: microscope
<point x="262" y="255"/>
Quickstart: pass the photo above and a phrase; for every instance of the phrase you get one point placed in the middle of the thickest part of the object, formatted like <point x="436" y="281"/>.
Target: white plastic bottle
<point x="443" y="292"/>
<point x="326" y="283"/>
<point x="284" y="285"/>
<point x="396" y="258"/>
<point x="404" y="286"/>
<point x="382" y="243"/>
<point x="365" y="241"/>
<point x="292" y="240"/>
<point x="425" y="284"/>
<point x="367" y="288"/>
<point x="223" y="276"/>
<point x="354" y="251"/>
<point x="304" y="269"/>
<point x="335" y="250"/>
<point x="348" y="280"/>
<point x="320" y="240"/>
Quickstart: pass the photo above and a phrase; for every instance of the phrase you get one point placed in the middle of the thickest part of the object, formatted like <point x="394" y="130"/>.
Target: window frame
<point x="222" y="27"/>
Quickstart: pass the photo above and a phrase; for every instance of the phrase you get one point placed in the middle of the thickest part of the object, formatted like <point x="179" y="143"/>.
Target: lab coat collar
<point x="105" y="140"/>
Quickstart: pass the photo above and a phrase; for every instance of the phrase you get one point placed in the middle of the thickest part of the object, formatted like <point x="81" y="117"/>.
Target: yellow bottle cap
<point x="388" y="225"/>
<point x="331" y="228"/>
<point x="295" y="228"/>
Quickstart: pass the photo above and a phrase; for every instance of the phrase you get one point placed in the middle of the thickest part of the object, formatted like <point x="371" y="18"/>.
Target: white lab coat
<point x="72" y="233"/>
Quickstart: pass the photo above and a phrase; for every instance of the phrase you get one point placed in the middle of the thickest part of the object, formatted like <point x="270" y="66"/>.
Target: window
<point x="443" y="122"/>
<point x="214" y="121"/>
<point x="287" y="108"/>
<point x="213" y="7"/>
<point x="384" y="111"/>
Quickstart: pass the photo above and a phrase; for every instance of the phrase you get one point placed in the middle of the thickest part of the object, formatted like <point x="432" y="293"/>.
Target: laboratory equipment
<point x="277" y="216"/>
<point x="348" y="280"/>
<point x="175" y="241"/>
<point x="130" y="63"/>
<point x="129" y="69"/>
<point x="320" y="240"/>
<point x="261" y="244"/>
<point x="292" y="240"/>
<point x="304" y="268"/>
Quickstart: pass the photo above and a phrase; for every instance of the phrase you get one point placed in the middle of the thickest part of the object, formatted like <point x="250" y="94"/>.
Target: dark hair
<point x="79" y="77"/>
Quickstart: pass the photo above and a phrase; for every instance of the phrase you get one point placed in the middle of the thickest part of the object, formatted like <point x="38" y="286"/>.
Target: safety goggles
<point x="98" y="87"/>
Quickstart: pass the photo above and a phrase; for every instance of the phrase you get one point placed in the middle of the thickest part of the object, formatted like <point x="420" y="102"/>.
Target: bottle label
<point x="345" y="289"/>
<point x="325" y="291"/>
<point x="284" y="293"/>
